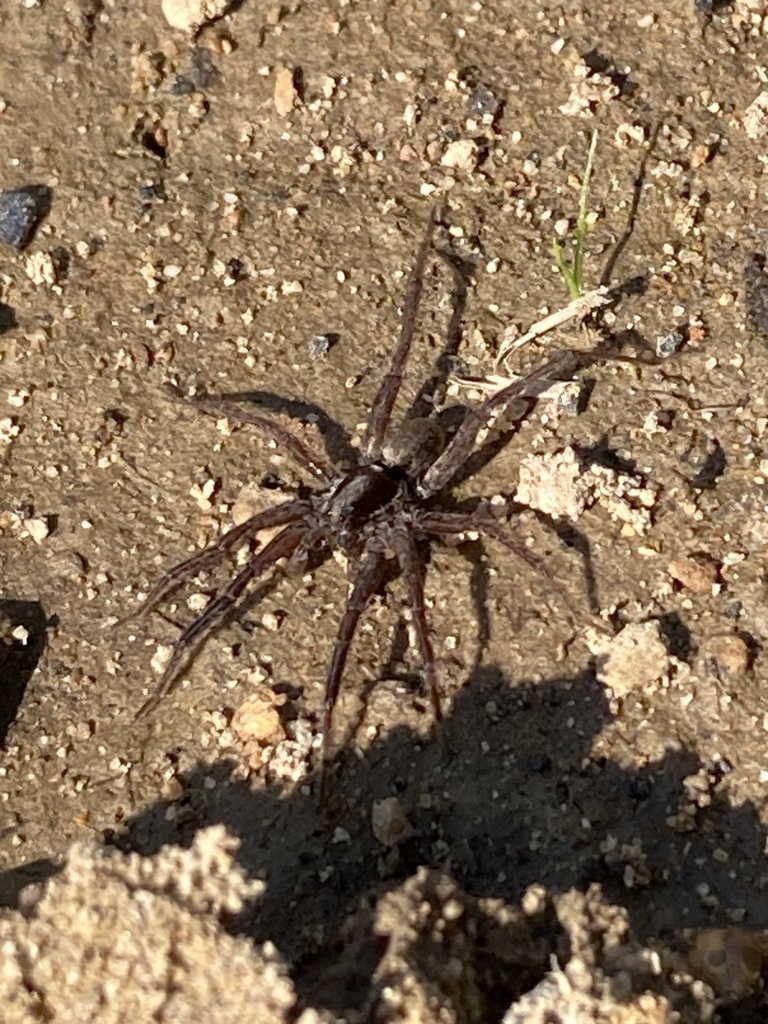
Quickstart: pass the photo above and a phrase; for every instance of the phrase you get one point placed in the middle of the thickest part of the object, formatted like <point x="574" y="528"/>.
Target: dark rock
<point x="153" y="192"/>
<point x="669" y="344"/>
<point x="482" y="102"/>
<point x="201" y="76"/>
<point x="321" y="345"/>
<point x="711" y="7"/>
<point x="21" y="210"/>
<point x="235" y="268"/>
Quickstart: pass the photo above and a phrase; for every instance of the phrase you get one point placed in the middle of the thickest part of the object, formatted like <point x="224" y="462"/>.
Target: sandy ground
<point x="217" y="201"/>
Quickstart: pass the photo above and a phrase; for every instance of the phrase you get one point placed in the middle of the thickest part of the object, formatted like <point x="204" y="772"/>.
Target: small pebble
<point x="668" y="344"/>
<point x="160" y="658"/>
<point x="756" y="117"/>
<point x="257" y="720"/>
<point x="38" y="529"/>
<point x="190" y="15"/>
<point x="285" y="91"/>
<point x="562" y="227"/>
<point x="20" y="212"/>
<point x="321" y="345"/>
<point x="731" y="960"/>
<point x="461" y="154"/>
<point x="696" y="576"/>
<point x="388" y="821"/>
<point x="567" y="395"/>
<point x="21" y="634"/>
<point x="271" y="621"/>
<point x="634" y="659"/>
<point x="8" y="430"/>
<point x="482" y="103"/>
<point x="40" y="268"/>
<point x="725" y="654"/>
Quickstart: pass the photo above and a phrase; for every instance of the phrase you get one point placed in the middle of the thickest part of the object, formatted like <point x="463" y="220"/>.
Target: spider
<point x="385" y="506"/>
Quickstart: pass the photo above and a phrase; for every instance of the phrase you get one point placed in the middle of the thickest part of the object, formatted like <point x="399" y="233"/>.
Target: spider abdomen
<point x="414" y="445"/>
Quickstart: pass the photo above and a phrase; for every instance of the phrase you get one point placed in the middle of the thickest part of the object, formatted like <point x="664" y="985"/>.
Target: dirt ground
<point x="218" y="201"/>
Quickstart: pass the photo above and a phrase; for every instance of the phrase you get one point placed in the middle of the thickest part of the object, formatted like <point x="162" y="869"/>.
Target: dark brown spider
<point x="384" y="506"/>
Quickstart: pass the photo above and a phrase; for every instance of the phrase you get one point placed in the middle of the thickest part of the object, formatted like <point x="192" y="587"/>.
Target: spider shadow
<point x="569" y="535"/>
<point x="432" y="391"/>
<point x="514" y="797"/>
<point x="336" y="438"/>
<point x="624" y="239"/>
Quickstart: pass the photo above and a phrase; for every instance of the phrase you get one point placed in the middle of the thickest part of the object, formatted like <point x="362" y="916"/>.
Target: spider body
<point x="381" y="509"/>
<point x="361" y="499"/>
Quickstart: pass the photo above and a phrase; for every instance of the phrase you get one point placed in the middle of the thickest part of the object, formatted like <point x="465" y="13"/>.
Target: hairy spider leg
<point x="315" y="539"/>
<point x="365" y="583"/>
<point x="412" y="569"/>
<point x="280" y="515"/>
<point x="281" y="546"/>
<point x="381" y="410"/>
<point x="451" y="523"/>
<point x="301" y="452"/>
<point x="459" y="448"/>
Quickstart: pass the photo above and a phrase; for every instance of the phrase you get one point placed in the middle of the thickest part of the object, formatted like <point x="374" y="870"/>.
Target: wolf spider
<point x="384" y="506"/>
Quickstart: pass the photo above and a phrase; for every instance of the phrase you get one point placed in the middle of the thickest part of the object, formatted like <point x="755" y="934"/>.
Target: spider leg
<point x="381" y="410"/>
<point x="412" y="569"/>
<point x="280" y="515"/>
<point x="451" y="523"/>
<point x="281" y="546"/>
<point x="314" y="540"/>
<point x="460" y="447"/>
<point x="302" y="454"/>
<point x="365" y="583"/>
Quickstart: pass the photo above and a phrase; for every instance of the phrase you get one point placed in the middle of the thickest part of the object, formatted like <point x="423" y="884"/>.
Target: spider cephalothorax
<point x="384" y="507"/>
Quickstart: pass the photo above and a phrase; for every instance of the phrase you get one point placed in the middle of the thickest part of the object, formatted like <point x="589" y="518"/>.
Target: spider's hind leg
<point x="281" y="546"/>
<point x="412" y="569"/>
<point x="211" y="556"/>
<point x="365" y="583"/>
<point x="448" y="524"/>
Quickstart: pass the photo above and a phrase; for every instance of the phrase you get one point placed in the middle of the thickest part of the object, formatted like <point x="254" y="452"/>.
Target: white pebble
<point x="38" y="529"/>
<point x="190" y="15"/>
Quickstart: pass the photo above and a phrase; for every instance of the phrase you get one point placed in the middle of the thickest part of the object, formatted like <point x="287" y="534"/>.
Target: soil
<point x="205" y="230"/>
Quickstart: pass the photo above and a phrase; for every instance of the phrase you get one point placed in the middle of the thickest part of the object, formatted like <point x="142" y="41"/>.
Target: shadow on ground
<point x="23" y="626"/>
<point x="507" y="797"/>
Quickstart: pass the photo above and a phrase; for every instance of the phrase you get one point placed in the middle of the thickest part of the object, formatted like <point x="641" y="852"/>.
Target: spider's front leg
<point x="381" y="410"/>
<point x="460" y="447"/>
